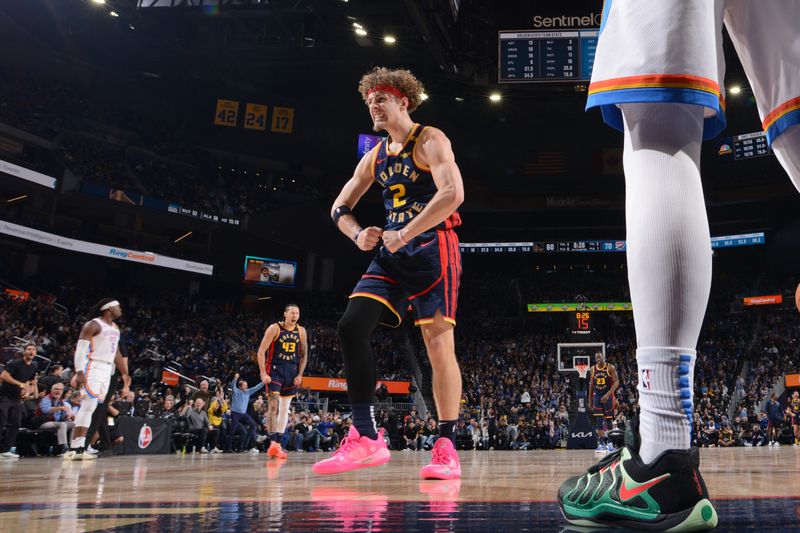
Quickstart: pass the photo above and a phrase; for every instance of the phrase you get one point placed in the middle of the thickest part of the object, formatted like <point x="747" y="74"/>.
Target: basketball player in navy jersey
<point x="793" y="410"/>
<point x="417" y="263"/>
<point x="282" y="358"/>
<point x="603" y="382"/>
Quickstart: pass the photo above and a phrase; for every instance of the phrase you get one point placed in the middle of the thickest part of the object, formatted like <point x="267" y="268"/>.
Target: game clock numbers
<point x="581" y="323"/>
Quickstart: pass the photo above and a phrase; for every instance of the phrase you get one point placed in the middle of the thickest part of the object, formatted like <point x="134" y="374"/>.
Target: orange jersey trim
<point x="405" y="142"/>
<point x="419" y="165"/>
<point x="667" y="81"/>
<point x="781" y="110"/>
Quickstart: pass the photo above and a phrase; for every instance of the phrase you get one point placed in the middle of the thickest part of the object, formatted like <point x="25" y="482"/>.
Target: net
<point x="582" y="369"/>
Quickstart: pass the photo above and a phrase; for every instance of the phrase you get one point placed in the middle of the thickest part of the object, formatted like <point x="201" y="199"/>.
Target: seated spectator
<point x="301" y="428"/>
<point x="710" y="432"/>
<point x="726" y="439"/>
<point x="198" y="424"/>
<point x="166" y="411"/>
<point x="53" y="413"/>
<point x="410" y="436"/>
<point x="329" y="440"/>
<point x="429" y="434"/>
<point x="759" y="436"/>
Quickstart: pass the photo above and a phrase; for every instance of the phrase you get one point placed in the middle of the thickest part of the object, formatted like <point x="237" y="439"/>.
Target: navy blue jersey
<point x="407" y="184"/>
<point x="286" y="347"/>
<point x="602" y="379"/>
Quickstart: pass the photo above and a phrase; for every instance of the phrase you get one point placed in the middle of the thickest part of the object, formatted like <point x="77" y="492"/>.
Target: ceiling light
<point x="101" y="2"/>
<point x="736" y="89"/>
<point x="361" y="32"/>
<point x="424" y="96"/>
<point x="459" y="99"/>
<point x="114" y="14"/>
<point x="357" y="25"/>
<point x="389" y="39"/>
<point x="495" y="97"/>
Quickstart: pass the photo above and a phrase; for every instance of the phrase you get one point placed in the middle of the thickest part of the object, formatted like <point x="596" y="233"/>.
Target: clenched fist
<point x="368" y="238"/>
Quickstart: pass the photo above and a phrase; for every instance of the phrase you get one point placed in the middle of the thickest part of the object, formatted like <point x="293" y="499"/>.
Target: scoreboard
<point x="750" y="145"/>
<point x="581" y="323"/>
<point x="546" y="56"/>
<point x="726" y="241"/>
<point x="542" y="247"/>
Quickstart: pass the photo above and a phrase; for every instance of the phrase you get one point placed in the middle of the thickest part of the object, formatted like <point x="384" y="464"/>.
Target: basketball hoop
<point x="582" y="369"/>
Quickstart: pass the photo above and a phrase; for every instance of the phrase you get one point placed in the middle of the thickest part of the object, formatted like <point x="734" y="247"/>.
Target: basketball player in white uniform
<point x="95" y="356"/>
<point x="658" y="77"/>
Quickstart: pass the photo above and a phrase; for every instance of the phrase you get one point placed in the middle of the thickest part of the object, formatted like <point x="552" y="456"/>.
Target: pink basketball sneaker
<point x="444" y="464"/>
<point x="355" y="452"/>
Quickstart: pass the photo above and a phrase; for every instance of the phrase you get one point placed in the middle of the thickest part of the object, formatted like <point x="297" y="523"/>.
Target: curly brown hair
<point x="401" y="79"/>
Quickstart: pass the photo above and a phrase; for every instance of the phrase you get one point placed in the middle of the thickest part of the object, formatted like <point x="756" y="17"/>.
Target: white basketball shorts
<point x="671" y="51"/>
<point x="98" y="379"/>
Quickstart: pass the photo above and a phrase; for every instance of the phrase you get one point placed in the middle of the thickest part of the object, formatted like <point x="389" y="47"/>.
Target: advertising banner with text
<point x="103" y="250"/>
<point x="340" y="385"/>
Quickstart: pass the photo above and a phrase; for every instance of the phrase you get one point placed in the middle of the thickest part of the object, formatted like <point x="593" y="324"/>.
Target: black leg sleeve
<point x="360" y="319"/>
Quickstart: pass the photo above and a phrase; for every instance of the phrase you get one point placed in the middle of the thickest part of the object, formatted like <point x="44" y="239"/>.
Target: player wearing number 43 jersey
<point x="417" y="264"/>
<point x="282" y="358"/>
<point x="658" y="77"/>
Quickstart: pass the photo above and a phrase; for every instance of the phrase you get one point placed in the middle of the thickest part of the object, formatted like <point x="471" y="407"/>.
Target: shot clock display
<point x="581" y="323"/>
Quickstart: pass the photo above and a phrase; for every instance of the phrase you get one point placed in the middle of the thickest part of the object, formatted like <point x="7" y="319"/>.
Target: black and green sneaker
<point x="666" y="495"/>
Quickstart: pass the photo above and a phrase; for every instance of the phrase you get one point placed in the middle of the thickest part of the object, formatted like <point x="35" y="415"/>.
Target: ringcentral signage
<point x="114" y="252"/>
<point x="591" y="20"/>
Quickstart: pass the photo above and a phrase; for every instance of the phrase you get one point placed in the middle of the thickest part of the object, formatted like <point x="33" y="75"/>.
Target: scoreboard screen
<point x="270" y="272"/>
<point x="542" y="247"/>
<point x="727" y="241"/>
<point x="580" y="323"/>
<point x="546" y="56"/>
<point x="750" y="145"/>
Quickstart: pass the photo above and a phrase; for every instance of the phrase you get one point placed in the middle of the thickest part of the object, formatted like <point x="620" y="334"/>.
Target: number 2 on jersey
<point x="399" y="192"/>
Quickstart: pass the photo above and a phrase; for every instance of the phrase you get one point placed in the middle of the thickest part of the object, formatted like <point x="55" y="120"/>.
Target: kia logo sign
<point x="581" y="435"/>
<point x="145" y="436"/>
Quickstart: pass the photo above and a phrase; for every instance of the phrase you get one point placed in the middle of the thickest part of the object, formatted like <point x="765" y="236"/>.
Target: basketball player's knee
<point x="84" y="417"/>
<point x="347" y="328"/>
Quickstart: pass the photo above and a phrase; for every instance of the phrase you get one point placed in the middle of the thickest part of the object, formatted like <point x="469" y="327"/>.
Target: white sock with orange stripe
<point x="669" y="263"/>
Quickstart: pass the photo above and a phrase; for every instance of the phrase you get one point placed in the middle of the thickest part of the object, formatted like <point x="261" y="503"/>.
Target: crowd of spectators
<point x="513" y="395"/>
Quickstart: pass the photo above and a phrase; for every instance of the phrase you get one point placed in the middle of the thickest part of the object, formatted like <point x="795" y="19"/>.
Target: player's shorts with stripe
<point x="282" y="376"/>
<point x="671" y="51"/>
<point x="98" y="378"/>
<point x="424" y="274"/>
<point x="600" y="408"/>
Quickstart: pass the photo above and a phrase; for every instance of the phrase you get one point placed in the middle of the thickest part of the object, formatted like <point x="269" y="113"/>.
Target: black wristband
<point x="339" y="212"/>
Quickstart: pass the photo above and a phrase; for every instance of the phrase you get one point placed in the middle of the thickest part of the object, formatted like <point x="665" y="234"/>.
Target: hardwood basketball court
<point x="753" y="489"/>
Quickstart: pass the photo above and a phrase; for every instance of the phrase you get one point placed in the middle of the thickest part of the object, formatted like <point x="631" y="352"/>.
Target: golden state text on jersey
<point x="286" y="347"/>
<point x="407" y="184"/>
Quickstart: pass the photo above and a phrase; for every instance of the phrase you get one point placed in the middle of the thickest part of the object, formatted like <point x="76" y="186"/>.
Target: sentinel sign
<point x="568" y="21"/>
